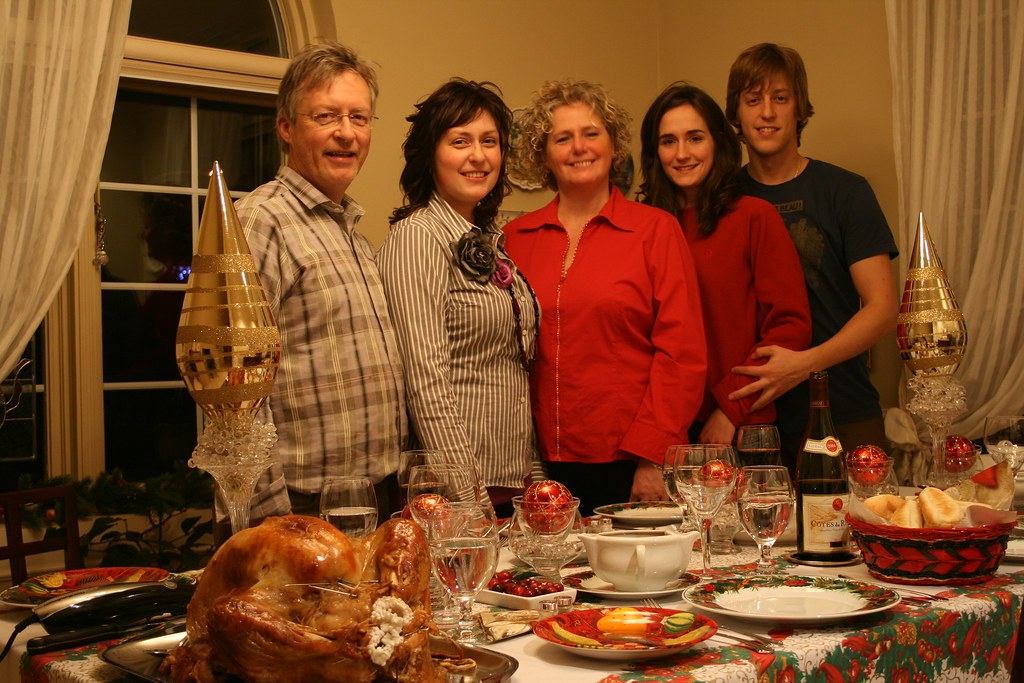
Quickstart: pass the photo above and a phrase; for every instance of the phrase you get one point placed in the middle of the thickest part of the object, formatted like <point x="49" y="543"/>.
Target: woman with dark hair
<point x="620" y="366"/>
<point x="466" y="318"/>
<point x="751" y="283"/>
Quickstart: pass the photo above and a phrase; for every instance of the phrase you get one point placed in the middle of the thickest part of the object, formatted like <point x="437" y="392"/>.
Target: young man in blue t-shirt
<point x="845" y="246"/>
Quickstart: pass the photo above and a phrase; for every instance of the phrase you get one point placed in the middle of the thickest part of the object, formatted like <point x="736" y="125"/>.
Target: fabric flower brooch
<point x="477" y="256"/>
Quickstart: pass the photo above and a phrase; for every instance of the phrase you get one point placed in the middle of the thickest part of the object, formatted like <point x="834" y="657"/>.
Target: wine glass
<point x="453" y="481"/>
<point x="411" y="458"/>
<point x="766" y="500"/>
<point x="705" y="475"/>
<point x="463" y="540"/>
<point x="758" y="445"/>
<point x="668" y="477"/>
<point x="350" y="505"/>
<point x="1004" y="439"/>
<point x="545" y="535"/>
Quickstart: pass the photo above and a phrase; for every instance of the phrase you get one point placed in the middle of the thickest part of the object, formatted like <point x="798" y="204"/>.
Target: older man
<point x="338" y="402"/>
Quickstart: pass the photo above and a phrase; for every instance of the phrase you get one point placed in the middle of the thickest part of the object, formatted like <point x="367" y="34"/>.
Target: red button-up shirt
<point x="621" y="356"/>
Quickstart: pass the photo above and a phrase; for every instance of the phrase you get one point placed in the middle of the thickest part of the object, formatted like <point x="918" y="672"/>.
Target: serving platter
<point x="141" y="656"/>
<point x="642" y="513"/>
<point x="791" y="599"/>
<point x="39" y="589"/>
<point x="586" y="581"/>
<point x="625" y="633"/>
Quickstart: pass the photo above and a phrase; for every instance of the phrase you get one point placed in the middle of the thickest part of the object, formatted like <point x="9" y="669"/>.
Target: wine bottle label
<point x="829" y="446"/>
<point x="825" y="527"/>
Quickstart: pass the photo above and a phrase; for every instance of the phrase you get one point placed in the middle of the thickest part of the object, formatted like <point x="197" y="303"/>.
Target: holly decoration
<point x="960" y="454"/>
<point x="548" y="506"/>
<point x="868" y="465"/>
<point x="717" y="473"/>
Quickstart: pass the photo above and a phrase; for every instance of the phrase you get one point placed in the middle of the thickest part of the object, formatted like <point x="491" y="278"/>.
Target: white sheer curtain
<point x="59" y="67"/>
<point x="958" y="97"/>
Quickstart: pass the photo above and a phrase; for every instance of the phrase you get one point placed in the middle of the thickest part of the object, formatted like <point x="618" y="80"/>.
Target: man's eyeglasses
<point x="330" y="118"/>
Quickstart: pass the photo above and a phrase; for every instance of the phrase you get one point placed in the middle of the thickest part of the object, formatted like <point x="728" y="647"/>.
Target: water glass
<point x="463" y="540"/>
<point x="724" y="527"/>
<point x="350" y="505"/>
<point x="766" y="500"/>
<point x="668" y="477"/>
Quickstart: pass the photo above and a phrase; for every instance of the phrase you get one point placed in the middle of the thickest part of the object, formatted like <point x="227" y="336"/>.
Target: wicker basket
<point x="931" y="556"/>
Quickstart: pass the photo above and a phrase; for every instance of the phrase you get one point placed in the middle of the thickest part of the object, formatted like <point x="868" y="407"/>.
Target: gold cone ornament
<point x="930" y="329"/>
<point x="228" y="346"/>
<point x="228" y="350"/>
<point x="932" y="339"/>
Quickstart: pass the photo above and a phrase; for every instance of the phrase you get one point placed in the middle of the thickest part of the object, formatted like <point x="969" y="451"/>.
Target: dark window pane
<point x="240" y="25"/>
<point x="23" y="421"/>
<point x="149" y="140"/>
<point x="149" y="236"/>
<point x="242" y="138"/>
<point x="146" y="431"/>
<point x="138" y="335"/>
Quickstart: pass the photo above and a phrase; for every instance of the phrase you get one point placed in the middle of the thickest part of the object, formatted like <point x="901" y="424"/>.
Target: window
<point x="152" y="186"/>
<point x="105" y="400"/>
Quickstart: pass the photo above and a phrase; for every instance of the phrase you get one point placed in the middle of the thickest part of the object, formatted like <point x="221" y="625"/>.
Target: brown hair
<point x="760" y="63"/>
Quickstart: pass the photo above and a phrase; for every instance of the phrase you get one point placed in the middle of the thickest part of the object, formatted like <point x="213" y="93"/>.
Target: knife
<point x="94" y="634"/>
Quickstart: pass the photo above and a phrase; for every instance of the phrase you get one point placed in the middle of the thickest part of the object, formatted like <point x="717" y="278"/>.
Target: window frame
<point x="73" y="391"/>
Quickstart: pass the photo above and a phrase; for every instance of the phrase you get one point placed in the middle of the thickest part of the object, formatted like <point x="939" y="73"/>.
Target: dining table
<point x="953" y="633"/>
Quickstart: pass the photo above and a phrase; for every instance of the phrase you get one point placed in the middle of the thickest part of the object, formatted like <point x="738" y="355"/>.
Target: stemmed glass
<point x="545" y="535"/>
<point x="350" y="505"/>
<point x="705" y="475"/>
<point x="1004" y="439"/>
<point x="463" y="540"/>
<point x="758" y="445"/>
<point x="409" y="459"/>
<point x="668" y="477"/>
<point x="766" y="501"/>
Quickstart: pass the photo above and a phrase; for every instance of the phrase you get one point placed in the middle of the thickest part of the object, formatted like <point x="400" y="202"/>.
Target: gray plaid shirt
<point x="338" y="402"/>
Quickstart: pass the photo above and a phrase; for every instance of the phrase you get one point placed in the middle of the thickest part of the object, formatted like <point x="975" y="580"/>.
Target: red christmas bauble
<point x="548" y="491"/>
<point x="960" y="454"/>
<point x="421" y="506"/>
<point x="868" y="465"/>
<point x="717" y="473"/>
<point x="548" y="506"/>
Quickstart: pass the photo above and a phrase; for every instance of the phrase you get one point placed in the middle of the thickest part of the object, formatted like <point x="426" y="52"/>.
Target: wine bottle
<point x="822" y="490"/>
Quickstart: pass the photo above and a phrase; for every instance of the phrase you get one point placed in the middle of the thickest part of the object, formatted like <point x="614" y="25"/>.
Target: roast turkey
<point x="294" y="599"/>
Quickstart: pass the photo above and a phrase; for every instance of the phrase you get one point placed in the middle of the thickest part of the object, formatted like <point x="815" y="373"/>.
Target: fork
<point x="747" y="640"/>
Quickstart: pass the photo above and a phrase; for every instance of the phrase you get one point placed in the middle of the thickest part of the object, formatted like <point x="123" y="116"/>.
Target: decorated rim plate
<point x="587" y="582"/>
<point x="39" y="589"/>
<point x="141" y="656"/>
<point x="1014" y="550"/>
<point x="791" y="599"/>
<point x="642" y="513"/>
<point x="625" y="633"/>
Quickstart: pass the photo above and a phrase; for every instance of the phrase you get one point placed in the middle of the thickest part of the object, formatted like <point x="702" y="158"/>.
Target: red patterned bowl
<point x="931" y="556"/>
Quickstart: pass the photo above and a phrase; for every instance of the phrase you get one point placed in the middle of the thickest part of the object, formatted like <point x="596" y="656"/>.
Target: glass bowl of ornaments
<point x="870" y="472"/>
<point x="545" y="528"/>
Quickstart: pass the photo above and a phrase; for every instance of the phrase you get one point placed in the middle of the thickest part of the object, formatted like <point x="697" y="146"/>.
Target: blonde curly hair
<point x="534" y="123"/>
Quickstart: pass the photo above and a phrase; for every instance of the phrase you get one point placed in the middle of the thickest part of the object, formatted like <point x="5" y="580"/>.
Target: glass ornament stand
<point x="938" y="400"/>
<point x="236" y="451"/>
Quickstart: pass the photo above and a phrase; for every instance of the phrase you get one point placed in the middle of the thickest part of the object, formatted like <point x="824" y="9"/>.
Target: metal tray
<point x="141" y="656"/>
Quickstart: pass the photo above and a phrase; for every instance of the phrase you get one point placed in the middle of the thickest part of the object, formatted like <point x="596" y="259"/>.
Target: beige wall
<point x="635" y="48"/>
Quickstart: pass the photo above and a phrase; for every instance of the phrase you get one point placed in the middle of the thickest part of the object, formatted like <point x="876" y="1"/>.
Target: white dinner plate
<point x="642" y="513"/>
<point x="791" y="599"/>
<point x="587" y="582"/>
<point x="1014" y="550"/>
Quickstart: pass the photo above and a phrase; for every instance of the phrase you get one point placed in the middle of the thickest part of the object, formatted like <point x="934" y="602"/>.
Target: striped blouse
<point x="467" y="389"/>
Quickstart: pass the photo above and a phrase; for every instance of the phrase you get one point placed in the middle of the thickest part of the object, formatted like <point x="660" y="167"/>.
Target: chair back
<point x="17" y="549"/>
